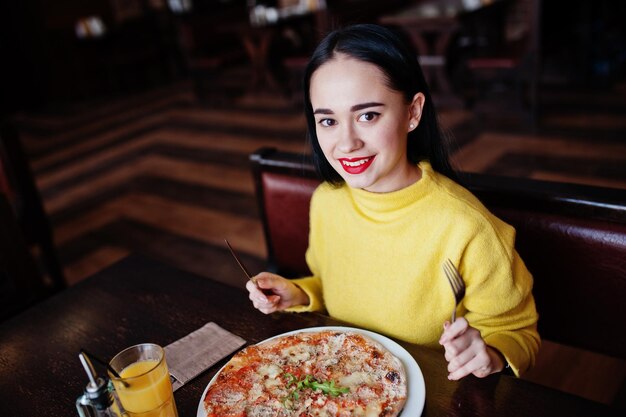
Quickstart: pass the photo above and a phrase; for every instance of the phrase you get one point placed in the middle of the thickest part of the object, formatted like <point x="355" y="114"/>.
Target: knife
<point x="241" y="265"/>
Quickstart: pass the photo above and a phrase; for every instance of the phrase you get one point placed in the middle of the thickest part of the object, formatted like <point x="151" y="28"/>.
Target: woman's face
<point x="362" y="124"/>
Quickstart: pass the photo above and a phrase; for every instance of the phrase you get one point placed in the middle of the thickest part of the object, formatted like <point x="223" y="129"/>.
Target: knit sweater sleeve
<point x="499" y="301"/>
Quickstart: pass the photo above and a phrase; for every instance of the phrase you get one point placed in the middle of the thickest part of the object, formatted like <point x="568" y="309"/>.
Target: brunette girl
<point x="389" y="214"/>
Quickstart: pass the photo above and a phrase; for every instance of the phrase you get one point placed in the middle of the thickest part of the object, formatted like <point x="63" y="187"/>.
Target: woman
<point x="388" y="215"/>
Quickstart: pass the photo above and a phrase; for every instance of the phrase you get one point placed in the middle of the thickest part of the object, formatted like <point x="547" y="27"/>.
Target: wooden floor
<point x="163" y="174"/>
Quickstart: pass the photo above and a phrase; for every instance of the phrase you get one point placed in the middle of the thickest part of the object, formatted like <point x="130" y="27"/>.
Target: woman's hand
<point x="467" y="353"/>
<point x="274" y="293"/>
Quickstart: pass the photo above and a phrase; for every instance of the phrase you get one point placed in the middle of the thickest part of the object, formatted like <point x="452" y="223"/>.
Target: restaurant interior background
<point x="137" y="118"/>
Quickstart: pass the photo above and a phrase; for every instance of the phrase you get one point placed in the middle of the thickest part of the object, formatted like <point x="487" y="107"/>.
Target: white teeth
<point x="355" y="163"/>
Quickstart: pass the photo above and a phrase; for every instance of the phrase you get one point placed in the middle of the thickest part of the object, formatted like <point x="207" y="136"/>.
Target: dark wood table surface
<point x="141" y="300"/>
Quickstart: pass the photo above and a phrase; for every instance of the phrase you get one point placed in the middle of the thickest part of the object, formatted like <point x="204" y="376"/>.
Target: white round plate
<point x="416" y="395"/>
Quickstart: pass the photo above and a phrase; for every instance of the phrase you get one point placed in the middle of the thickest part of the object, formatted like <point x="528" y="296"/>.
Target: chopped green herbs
<point x="327" y="387"/>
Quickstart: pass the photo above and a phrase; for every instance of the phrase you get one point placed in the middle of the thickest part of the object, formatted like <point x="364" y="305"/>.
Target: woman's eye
<point x="327" y="122"/>
<point x="368" y="117"/>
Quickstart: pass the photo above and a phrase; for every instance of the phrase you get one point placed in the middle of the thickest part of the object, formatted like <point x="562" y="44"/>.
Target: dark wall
<point x="22" y="50"/>
<point x="584" y="42"/>
<point x="43" y="62"/>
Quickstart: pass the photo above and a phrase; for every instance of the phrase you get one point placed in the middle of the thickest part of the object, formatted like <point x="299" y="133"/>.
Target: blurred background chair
<point x="30" y="269"/>
<point x="20" y="280"/>
<point x="203" y="57"/>
<point x="503" y="66"/>
<point x="284" y="183"/>
<point x="200" y="67"/>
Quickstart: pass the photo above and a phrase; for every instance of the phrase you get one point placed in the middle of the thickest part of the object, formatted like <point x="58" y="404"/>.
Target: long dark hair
<point x="397" y="59"/>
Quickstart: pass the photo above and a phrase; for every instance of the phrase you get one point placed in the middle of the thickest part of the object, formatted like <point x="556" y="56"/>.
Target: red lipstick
<point x="356" y="165"/>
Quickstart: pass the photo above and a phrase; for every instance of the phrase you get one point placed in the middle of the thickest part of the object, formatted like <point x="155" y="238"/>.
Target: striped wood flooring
<point x="161" y="174"/>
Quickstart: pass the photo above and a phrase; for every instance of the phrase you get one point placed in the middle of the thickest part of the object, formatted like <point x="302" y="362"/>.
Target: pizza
<point x="321" y="373"/>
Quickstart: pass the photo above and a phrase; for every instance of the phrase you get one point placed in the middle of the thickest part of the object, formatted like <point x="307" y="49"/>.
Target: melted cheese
<point x="373" y="410"/>
<point x="298" y="353"/>
<point x="270" y="370"/>
<point x="355" y="379"/>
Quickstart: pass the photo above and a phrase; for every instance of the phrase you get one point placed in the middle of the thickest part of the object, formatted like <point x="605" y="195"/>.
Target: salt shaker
<point x="97" y="399"/>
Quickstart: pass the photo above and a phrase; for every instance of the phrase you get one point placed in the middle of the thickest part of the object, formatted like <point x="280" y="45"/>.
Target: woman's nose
<point x="348" y="140"/>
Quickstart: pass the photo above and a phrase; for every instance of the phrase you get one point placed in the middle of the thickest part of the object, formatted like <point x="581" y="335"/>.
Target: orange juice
<point x="145" y="389"/>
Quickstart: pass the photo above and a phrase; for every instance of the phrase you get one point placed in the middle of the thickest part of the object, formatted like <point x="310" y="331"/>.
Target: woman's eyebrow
<point x="365" y="105"/>
<point x="356" y="107"/>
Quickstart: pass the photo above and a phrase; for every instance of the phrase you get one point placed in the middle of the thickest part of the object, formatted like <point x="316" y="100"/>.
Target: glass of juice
<point x="143" y="386"/>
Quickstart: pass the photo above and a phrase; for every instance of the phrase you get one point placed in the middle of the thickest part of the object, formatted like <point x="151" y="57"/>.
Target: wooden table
<point x="141" y="300"/>
<point x="431" y="25"/>
<point x="258" y="40"/>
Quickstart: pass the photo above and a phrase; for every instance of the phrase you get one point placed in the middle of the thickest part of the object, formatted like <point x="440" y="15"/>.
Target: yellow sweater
<point x="377" y="262"/>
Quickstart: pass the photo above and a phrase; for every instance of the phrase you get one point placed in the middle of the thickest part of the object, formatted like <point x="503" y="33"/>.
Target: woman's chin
<point x="355" y="181"/>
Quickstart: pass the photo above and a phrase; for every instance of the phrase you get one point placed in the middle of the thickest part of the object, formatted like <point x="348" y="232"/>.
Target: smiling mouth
<point x="356" y="165"/>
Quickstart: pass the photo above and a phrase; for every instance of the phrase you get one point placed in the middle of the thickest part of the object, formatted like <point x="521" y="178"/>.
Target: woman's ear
<point x="415" y="110"/>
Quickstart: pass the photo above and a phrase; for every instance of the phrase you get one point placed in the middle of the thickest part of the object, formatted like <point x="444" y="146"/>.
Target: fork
<point x="456" y="282"/>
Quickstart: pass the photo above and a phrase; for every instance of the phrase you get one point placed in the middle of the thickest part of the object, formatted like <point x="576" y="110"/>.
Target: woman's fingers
<point x="453" y="330"/>
<point x="267" y="305"/>
<point x="479" y="365"/>
<point x="268" y="282"/>
<point x="255" y="293"/>
<point x="462" y="351"/>
<point x="465" y="351"/>
<point x="458" y="353"/>
<point x="270" y="292"/>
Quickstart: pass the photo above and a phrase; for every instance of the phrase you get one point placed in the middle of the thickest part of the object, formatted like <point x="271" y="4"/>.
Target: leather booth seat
<point x="571" y="237"/>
